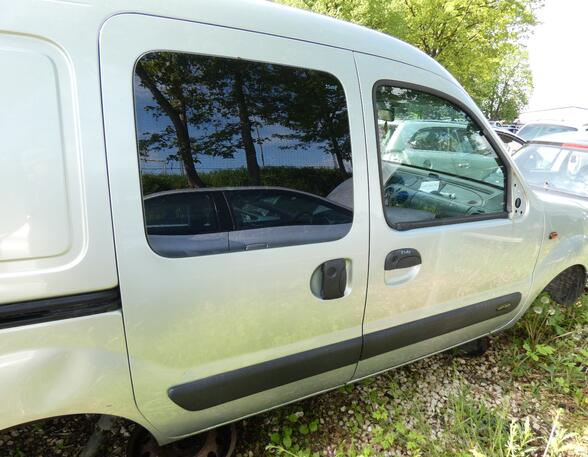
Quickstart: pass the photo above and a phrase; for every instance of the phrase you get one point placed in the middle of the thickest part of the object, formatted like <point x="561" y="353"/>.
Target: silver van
<point x="199" y="221"/>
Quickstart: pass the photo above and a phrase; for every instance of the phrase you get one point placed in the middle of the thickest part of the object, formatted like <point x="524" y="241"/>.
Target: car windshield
<point x="530" y="131"/>
<point x="559" y="167"/>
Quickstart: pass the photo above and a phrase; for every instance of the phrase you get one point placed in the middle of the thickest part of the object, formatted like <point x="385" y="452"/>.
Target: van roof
<point x="258" y="15"/>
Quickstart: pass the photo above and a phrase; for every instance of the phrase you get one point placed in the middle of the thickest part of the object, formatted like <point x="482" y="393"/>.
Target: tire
<point x="474" y="348"/>
<point x="218" y="442"/>
<point x="568" y="286"/>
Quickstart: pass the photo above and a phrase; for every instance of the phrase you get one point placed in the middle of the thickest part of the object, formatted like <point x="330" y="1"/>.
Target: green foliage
<point x="488" y="431"/>
<point x="160" y="183"/>
<point x="219" y="107"/>
<point x="478" y="41"/>
<point x="553" y="338"/>
<point x="318" y="181"/>
<point x="509" y="87"/>
<point x="293" y="437"/>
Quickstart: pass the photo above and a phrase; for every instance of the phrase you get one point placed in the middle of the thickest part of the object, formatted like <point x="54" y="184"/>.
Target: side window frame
<point x="404" y="226"/>
<point x="224" y="211"/>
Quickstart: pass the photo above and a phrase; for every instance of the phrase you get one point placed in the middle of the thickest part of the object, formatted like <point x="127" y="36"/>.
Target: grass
<point x="527" y="396"/>
<point x="318" y="181"/>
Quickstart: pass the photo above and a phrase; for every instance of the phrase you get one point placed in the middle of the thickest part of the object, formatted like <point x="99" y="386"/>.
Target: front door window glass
<point x="436" y="163"/>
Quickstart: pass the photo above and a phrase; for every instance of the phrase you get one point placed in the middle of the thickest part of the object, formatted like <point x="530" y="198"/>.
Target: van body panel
<point x="463" y="264"/>
<point x="192" y="318"/>
<point x="35" y="223"/>
<point x="56" y="229"/>
<point x="568" y="217"/>
<point x="65" y="367"/>
<point x="202" y="341"/>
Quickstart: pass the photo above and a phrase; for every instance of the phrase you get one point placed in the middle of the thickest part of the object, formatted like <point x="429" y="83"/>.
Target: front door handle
<point x="402" y="258"/>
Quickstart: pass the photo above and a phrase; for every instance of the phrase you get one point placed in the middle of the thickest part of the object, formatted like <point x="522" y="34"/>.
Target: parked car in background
<point x="337" y="206"/>
<point x="497" y="125"/>
<point x="192" y="222"/>
<point x="512" y="142"/>
<point x="557" y="163"/>
<point x="556" y="168"/>
<point x="536" y="129"/>
<point x="438" y="145"/>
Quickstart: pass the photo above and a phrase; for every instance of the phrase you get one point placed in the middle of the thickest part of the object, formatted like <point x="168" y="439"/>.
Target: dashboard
<point x="439" y="194"/>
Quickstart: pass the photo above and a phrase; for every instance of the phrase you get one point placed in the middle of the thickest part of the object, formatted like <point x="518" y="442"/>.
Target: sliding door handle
<point x="402" y="258"/>
<point x="334" y="279"/>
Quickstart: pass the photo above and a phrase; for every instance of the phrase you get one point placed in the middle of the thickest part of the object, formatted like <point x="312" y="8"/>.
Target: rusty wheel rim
<point x="219" y="442"/>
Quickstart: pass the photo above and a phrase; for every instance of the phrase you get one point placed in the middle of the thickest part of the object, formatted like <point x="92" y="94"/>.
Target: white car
<point x="557" y="163"/>
<point x="113" y="112"/>
<point x="534" y="130"/>
<point x="556" y="168"/>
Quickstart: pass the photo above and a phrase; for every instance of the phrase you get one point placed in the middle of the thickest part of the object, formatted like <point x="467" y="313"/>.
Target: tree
<point x="312" y="106"/>
<point x="510" y="89"/>
<point x="471" y="38"/>
<point x="197" y="93"/>
<point x="215" y="105"/>
<point x="242" y="102"/>
<point x="168" y="77"/>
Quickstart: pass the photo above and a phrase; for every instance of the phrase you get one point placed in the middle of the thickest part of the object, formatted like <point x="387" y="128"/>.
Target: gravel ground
<point x="65" y="437"/>
<point x="417" y="395"/>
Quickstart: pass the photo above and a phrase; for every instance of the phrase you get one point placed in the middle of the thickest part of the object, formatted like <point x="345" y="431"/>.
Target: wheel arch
<point x="540" y="284"/>
<point x="66" y="367"/>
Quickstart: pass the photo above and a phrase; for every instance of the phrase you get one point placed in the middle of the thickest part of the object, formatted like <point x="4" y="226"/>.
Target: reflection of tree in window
<point x="217" y="107"/>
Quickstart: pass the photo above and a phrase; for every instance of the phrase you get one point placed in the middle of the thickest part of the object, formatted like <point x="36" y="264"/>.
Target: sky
<point x="558" y="55"/>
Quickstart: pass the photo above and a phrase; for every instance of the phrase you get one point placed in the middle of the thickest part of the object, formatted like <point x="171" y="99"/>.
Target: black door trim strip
<point x="52" y="309"/>
<point x="397" y="337"/>
<point x="224" y="387"/>
<point x="221" y="388"/>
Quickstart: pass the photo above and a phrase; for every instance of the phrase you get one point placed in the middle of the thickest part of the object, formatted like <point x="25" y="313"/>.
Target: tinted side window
<point x="557" y="129"/>
<point x="271" y="142"/>
<point x="275" y="208"/>
<point x="436" y="163"/>
<point x="180" y="214"/>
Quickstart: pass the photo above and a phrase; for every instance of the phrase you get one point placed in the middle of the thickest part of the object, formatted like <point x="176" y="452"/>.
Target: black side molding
<point x="225" y="387"/>
<point x="389" y="339"/>
<point x="52" y="309"/>
<point x="233" y="385"/>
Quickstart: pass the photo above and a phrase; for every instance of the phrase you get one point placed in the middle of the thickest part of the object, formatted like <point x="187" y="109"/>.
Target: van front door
<point x="452" y="252"/>
<point x="239" y="195"/>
